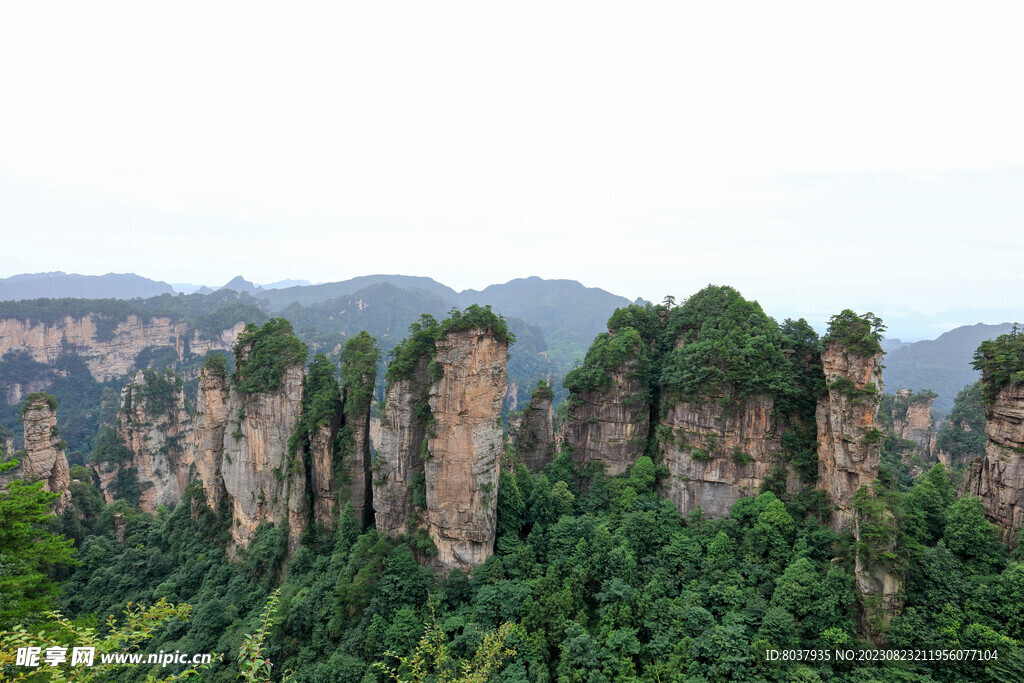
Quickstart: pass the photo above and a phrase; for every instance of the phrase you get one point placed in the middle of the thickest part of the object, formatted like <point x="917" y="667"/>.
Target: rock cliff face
<point x="107" y="355"/>
<point x="263" y="484"/>
<point x="998" y="478"/>
<point x="321" y="473"/>
<point x="355" y="485"/>
<point x="152" y="424"/>
<point x="465" y="446"/>
<point x="532" y="431"/>
<point x="849" y="443"/>
<point x="44" y="456"/>
<point x="916" y="424"/>
<point x="399" y="462"/>
<point x="610" y="426"/>
<point x="716" y="455"/>
<point x="206" y="440"/>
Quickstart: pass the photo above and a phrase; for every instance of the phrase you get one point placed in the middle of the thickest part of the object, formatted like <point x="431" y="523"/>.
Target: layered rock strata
<point x="465" y="446"/>
<point x="849" y="442"/>
<point x="532" y="432"/>
<point x="108" y="354"/>
<point x="717" y="454"/>
<point x="609" y="426"/>
<point x="998" y="477"/>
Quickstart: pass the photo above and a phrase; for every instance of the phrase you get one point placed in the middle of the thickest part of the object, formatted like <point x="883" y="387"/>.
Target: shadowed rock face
<point x="154" y="436"/>
<point x="998" y="478"/>
<point x="206" y="440"/>
<point x="610" y="426"/>
<point x="533" y="434"/>
<point x="44" y="456"/>
<point x="356" y="484"/>
<point x="465" y="447"/>
<point x="849" y="453"/>
<point x="737" y="448"/>
<point x="399" y="448"/>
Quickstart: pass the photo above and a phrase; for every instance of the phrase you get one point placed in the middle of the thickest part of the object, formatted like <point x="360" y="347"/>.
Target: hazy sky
<point x="815" y="155"/>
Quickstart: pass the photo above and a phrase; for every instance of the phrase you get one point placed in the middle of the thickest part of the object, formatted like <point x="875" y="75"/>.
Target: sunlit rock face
<point x="849" y="447"/>
<point x="465" y="446"/>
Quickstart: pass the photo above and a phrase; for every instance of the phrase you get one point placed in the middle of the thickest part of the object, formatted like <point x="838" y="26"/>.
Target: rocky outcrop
<point x="355" y="486"/>
<point x="609" y="426"/>
<point x="465" y="445"/>
<point x="915" y="423"/>
<point x="152" y="424"/>
<point x="321" y="472"/>
<point x="718" y="453"/>
<point x="398" y="468"/>
<point x="532" y="433"/>
<point x="998" y="477"/>
<point x="43" y="456"/>
<point x="206" y="440"/>
<point x="264" y="482"/>
<point x="849" y="442"/>
<point x="109" y="353"/>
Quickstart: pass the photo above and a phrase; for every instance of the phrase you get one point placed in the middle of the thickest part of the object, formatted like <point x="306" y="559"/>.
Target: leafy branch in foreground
<point x="139" y="625"/>
<point x="432" y="659"/>
<point x="253" y="665"/>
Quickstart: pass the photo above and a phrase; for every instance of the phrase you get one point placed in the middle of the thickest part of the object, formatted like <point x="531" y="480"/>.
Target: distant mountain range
<point x="942" y="365"/>
<point x="560" y="317"/>
<point x="59" y="285"/>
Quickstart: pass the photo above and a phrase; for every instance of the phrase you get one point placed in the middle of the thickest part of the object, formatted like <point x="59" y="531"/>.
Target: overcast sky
<point x="815" y="155"/>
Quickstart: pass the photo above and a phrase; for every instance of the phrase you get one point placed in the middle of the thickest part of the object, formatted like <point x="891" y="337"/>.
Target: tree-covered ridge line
<point x="602" y="578"/>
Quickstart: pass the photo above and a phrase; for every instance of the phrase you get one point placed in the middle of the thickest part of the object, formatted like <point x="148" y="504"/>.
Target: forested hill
<point x="942" y="365"/>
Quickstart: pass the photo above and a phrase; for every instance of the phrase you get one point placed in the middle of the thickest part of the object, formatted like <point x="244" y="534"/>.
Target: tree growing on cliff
<point x="861" y="334"/>
<point x="1001" y="361"/>
<point x="271" y="349"/>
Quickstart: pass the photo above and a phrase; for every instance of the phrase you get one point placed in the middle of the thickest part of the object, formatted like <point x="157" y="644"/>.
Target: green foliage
<point x="724" y="344"/>
<point x="963" y="433"/>
<point x="216" y="363"/>
<point x="159" y="391"/>
<point x="28" y="550"/>
<point x="109" y="448"/>
<point x="418" y="345"/>
<point x="861" y="334"/>
<point x="139" y="625"/>
<point x="358" y="370"/>
<point x="475" y="317"/>
<point x="271" y="349"/>
<point x="608" y="352"/>
<point x="49" y="399"/>
<point x="1001" y="362"/>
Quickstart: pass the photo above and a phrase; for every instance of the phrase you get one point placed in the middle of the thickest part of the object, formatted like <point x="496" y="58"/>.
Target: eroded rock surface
<point x="400" y="446"/>
<point x="465" y="446"/>
<point x="849" y="442"/>
<point x="44" y="456"/>
<point x="998" y="478"/>
<point x="532" y="431"/>
<point x="610" y="426"/>
<point x="718" y="454"/>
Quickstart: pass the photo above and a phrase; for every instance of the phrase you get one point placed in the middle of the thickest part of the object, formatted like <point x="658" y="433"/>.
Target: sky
<point x="815" y="155"/>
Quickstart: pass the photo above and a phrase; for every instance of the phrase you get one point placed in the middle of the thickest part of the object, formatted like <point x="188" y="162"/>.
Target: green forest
<point x="593" y="578"/>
